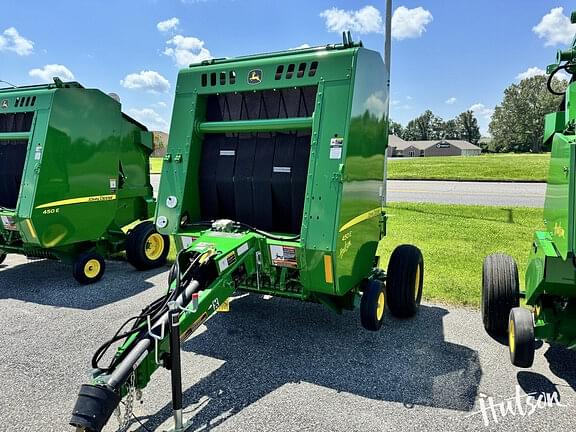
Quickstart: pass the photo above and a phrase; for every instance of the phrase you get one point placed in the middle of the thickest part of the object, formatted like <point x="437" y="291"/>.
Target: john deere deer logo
<point x="255" y="76"/>
<point x="4" y="104"/>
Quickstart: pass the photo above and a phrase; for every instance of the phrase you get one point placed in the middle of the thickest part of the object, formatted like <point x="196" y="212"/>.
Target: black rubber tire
<point x="136" y="243"/>
<point x="500" y="292"/>
<point x="2" y="256"/>
<point x="371" y="291"/>
<point x="521" y="337"/>
<point x="403" y="297"/>
<point x="79" y="268"/>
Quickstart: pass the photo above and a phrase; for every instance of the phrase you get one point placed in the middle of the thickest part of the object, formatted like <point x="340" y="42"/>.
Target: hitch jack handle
<point x="175" y="365"/>
<point x="157" y="338"/>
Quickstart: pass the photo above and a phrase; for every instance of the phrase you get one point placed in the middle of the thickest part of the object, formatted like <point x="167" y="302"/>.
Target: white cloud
<point x="530" y="72"/>
<point x="168" y="24"/>
<point x="535" y="71"/>
<point x="186" y="50"/>
<point x="484" y="115"/>
<point x="451" y="101"/>
<point x="410" y="23"/>
<point x="50" y="71"/>
<point x="162" y="104"/>
<point x="11" y="40"/>
<point x="406" y="23"/>
<point x="482" y="110"/>
<point x="150" y="118"/>
<point x="148" y="80"/>
<point x="365" y="20"/>
<point x="304" y="45"/>
<point x="555" y="28"/>
<point x="376" y="104"/>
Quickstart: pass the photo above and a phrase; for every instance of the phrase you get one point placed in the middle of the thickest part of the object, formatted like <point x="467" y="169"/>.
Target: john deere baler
<point x="73" y="172"/>
<point x="550" y="288"/>
<point x="273" y="183"/>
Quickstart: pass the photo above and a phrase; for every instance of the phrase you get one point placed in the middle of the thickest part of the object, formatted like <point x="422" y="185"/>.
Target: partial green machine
<point x="550" y="289"/>
<point x="74" y="172"/>
<point x="273" y="183"/>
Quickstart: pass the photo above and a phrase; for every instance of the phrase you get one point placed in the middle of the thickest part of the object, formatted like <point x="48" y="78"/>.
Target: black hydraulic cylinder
<point x="175" y="365"/>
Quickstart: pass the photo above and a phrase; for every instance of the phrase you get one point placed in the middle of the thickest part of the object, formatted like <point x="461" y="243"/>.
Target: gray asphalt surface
<point x="473" y="193"/>
<point x="447" y="192"/>
<point x="268" y="365"/>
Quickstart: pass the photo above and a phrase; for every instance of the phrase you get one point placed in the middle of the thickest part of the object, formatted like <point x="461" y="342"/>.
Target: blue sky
<point x="448" y="56"/>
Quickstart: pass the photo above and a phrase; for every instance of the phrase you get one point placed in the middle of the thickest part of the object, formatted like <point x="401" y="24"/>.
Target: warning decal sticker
<point x="283" y="256"/>
<point x="336" y="148"/>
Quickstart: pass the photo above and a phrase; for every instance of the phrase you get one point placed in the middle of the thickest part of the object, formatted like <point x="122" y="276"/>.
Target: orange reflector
<point x="328" y="269"/>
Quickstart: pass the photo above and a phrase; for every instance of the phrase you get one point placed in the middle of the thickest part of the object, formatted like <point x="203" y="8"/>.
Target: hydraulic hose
<point x="96" y="403"/>
<point x="551" y="77"/>
<point x="156" y="308"/>
<point x="123" y="370"/>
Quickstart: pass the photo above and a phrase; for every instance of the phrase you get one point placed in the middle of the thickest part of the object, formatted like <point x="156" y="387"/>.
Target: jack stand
<point x="175" y="368"/>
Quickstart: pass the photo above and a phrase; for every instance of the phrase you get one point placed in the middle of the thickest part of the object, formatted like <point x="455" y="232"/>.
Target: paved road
<point x="482" y="193"/>
<point x="445" y="192"/>
<point x="267" y="365"/>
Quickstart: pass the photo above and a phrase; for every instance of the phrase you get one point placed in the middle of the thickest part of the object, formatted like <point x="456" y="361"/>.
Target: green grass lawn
<point x="499" y="167"/>
<point x="155" y="165"/>
<point x="454" y="241"/>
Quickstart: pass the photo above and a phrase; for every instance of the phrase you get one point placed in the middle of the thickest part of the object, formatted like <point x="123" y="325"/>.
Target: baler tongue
<point x="202" y="279"/>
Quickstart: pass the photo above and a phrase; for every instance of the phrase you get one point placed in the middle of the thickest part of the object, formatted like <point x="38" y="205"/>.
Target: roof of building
<point x="400" y="144"/>
<point x="394" y="141"/>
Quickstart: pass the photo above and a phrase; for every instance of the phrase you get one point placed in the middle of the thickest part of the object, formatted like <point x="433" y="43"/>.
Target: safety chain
<point x="125" y="420"/>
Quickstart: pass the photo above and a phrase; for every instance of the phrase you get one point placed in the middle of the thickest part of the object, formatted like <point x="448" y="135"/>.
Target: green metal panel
<point x="553" y="122"/>
<point x="334" y="64"/>
<point x="559" y="203"/>
<point x="570" y="112"/>
<point x="286" y="125"/>
<point x="325" y="188"/>
<point x="182" y="160"/>
<point x="363" y="172"/>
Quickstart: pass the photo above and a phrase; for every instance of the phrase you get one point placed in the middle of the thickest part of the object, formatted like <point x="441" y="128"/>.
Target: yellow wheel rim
<point x="154" y="247"/>
<point x="417" y="282"/>
<point x="380" y="306"/>
<point x="511" y="337"/>
<point x="92" y="268"/>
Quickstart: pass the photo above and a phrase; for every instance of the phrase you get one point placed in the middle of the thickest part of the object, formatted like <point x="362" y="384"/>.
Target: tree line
<point x="517" y="124"/>
<point x="429" y="126"/>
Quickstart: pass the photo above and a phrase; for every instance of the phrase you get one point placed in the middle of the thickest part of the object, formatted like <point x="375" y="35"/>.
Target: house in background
<point x="397" y="147"/>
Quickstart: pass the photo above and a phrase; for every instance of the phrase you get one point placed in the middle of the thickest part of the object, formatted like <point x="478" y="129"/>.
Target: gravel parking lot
<point x="268" y="364"/>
